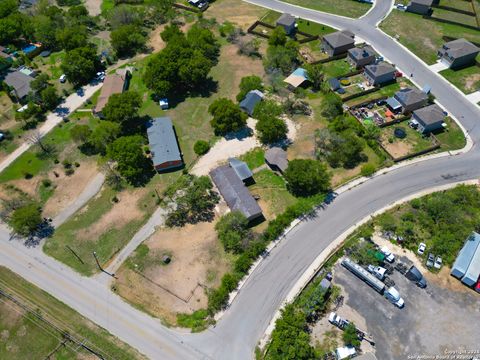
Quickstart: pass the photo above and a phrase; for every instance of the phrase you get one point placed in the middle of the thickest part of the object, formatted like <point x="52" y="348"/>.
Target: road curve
<point x="236" y="334"/>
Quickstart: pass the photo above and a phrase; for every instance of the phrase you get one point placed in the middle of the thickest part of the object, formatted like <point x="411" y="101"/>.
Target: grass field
<point x="466" y="79"/>
<point x="25" y="337"/>
<point x="408" y="26"/>
<point x="347" y="8"/>
<point x="336" y="68"/>
<point x="452" y="138"/>
<point x="254" y="158"/>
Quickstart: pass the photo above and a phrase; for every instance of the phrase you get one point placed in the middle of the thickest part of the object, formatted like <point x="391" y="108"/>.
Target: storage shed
<point x="465" y="256"/>
<point x="473" y="271"/>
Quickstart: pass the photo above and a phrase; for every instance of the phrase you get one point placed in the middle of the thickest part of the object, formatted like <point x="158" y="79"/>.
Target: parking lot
<point x="433" y="321"/>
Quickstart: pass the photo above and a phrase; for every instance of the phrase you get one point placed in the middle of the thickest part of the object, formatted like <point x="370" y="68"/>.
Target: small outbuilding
<point x="338" y="43"/>
<point x="163" y="144"/>
<point x="465" y="256"/>
<point x="359" y="57"/>
<point x="276" y="158"/>
<point x="298" y="78"/>
<point x="458" y="53"/>
<point x="429" y="118"/>
<point x="288" y="22"/>
<point x="242" y="170"/>
<point x="394" y="105"/>
<point x="250" y="101"/>
<point x="422" y="7"/>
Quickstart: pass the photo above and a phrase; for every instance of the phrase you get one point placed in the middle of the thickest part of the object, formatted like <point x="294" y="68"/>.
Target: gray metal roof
<point x="286" y="20"/>
<point x="250" y="101"/>
<point x="235" y="193"/>
<point x="429" y="115"/>
<point x="465" y="255"/>
<point x="360" y="53"/>
<point x="410" y="96"/>
<point x="19" y="81"/>
<point x="241" y="169"/>
<point x="340" y="38"/>
<point x="422" y="2"/>
<point x="162" y="140"/>
<point x="380" y="69"/>
<point x="393" y="103"/>
<point x="278" y="157"/>
<point x="460" y="47"/>
<point x="325" y="284"/>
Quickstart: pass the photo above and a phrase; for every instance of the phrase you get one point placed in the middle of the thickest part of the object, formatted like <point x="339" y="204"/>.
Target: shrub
<point x="307" y="177"/>
<point x="47" y="183"/>
<point x="69" y="171"/>
<point x="67" y="164"/>
<point x="368" y="170"/>
<point x="201" y="147"/>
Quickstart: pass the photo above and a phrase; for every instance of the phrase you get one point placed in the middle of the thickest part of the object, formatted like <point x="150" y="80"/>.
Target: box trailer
<point x="364" y="275"/>
<point x="465" y="256"/>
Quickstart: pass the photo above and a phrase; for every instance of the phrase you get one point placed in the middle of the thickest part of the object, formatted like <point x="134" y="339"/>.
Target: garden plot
<point x="198" y="262"/>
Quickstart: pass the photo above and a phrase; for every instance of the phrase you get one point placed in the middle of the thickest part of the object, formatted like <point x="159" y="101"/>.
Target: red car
<point x="477" y="286"/>
<point x="398" y="74"/>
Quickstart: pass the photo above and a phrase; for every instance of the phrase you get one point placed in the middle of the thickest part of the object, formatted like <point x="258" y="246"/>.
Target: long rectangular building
<point x="163" y="144"/>
<point x="466" y="255"/>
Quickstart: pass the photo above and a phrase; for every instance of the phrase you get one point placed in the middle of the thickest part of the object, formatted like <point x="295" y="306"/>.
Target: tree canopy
<point x="233" y="232"/>
<point x="227" y="116"/>
<point x="271" y="130"/>
<point x="127" y="40"/>
<point x="282" y="57"/>
<point x="278" y="36"/>
<point x="81" y="65"/>
<point x="122" y="108"/>
<point x="247" y="84"/>
<point x="307" y="177"/>
<point x="26" y="219"/>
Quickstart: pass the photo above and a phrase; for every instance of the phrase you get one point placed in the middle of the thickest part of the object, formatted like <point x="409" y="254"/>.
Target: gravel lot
<point x="434" y="320"/>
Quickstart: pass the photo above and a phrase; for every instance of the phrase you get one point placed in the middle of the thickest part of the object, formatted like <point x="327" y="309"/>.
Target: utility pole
<point x="100" y="266"/>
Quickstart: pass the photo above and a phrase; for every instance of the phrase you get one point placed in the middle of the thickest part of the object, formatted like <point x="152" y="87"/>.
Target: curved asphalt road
<point x="239" y="330"/>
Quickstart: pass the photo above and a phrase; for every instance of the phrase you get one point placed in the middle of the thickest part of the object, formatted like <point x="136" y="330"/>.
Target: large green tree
<point x="249" y="83"/>
<point x="278" y="37"/>
<point x="81" y="64"/>
<point x="103" y="135"/>
<point x="283" y="58"/>
<point x="72" y="37"/>
<point x="233" y="232"/>
<point x="127" y="40"/>
<point x="271" y="130"/>
<point x="131" y="162"/>
<point x="306" y="177"/>
<point x="26" y="219"/>
<point x="122" y="108"/>
<point x="227" y="116"/>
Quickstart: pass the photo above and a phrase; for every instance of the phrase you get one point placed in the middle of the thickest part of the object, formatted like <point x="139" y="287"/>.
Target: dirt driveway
<point x="93" y="7"/>
<point x="433" y="321"/>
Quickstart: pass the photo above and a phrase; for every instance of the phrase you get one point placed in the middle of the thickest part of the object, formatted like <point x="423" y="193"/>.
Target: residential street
<point x="238" y="331"/>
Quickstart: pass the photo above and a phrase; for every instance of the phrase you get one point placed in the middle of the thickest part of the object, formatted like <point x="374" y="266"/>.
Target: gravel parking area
<point x="433" y="322"/>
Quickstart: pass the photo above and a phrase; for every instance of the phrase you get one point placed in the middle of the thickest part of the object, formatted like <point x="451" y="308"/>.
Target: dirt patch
<point x="28" y="186"/>
<point x="93" y="7"/>
<point x="68" y="188"/>
<point x="122" y="212"/>
<point x="155" y="41"/>
<point x="471" y="83"/>
<point x="397" y="148"/>
<point x="238" y="12"/>
<point x="198" y="262"/>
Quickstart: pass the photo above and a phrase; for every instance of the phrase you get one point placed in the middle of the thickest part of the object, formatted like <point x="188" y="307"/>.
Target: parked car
<point x="398" y="74"/>
<point x="430" y="260"/>
<point x="401" y="7"/>
<point x="63" y="78"/>
<point x="421" y="248"/>
<point x="438" y="262"/>
<point x="388" y="254"/>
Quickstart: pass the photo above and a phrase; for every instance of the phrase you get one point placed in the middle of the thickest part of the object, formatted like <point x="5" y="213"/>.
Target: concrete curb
<point x="333" y="246"/>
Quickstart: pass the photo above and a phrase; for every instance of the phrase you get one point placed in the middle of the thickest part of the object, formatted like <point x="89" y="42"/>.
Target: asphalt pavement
<point x="238" y="331"/>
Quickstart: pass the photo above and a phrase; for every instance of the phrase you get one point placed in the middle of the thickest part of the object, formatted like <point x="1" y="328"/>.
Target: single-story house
<point x="242" y="170"/>
<point x="429" y="118"/>
<point x="115" y="83"/>
<point x="298" y="78"/>
<point x="411" y="99"/>
<point x="338" y="42"/>
<point x="288" y="22"/>
<point x="250" y="101"/>
<point x="422" y="7"/>
<point x="163" y="144"/>
<point x="235" y="193"/>
<point x="19" y="83"/>
<point x="458" y="53"/>
<point x="465" y="256"/>
<point x="379" y="74"/>
<point x="276" y="158"/>
<point x="359" y="57"/>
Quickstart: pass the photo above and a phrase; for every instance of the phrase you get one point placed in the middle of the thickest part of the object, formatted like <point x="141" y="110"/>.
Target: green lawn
<point x="347" y="8"/>
<point x="454" y="16"/>
<point x="408" y="26"/>
<point x="25" y="337"/>
<point x="466" y="79"/>
<point x="336" y="68"/>
<point x="107" y="5"/>
<point x="460" y="5"/>
<point x="254" y="158"/>
<point x="452" y="138"/>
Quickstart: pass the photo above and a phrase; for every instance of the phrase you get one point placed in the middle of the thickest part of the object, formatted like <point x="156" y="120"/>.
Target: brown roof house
<point x="276" y="158"/>
<point x="359" y="57"/>
<point x="163" y="144"/>
<point x="115" y="83"/>
<point x="429" y="118"/>
<point x="338" y="43"/>
<point x="458" y="53"/>
<point x="379" y="74"/>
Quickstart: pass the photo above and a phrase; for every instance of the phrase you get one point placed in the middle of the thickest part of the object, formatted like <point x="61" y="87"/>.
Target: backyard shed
<point x="276" y="158"/>
<point x="235" y="193"/>
<point x="250" y="101"/>
<point x="469" y="249"/>
<point x="393" y="104"/>
<point x="288" y="22"/>
<point x="298" y="78"/>
<point x="163" y="144"/>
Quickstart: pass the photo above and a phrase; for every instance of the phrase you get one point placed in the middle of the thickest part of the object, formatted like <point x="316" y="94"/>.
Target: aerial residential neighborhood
<point x="230" y="179"/>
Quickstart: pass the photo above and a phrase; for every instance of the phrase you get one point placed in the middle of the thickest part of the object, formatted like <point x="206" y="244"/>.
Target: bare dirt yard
<point x="238" y="12"/>
<point x="397" y="148"/>
<point x="197" y="262"/>
<point x="93" y="7"/>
